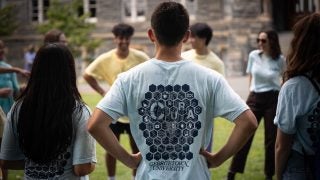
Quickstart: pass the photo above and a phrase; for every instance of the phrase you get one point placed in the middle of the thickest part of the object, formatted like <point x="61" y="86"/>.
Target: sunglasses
<point x="261" y="40"/>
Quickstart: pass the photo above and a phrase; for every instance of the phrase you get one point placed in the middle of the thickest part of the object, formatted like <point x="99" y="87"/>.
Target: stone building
<point x="235" y="23"/>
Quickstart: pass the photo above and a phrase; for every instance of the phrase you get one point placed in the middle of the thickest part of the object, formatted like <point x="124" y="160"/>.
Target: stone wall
<point x="235" y="24"/>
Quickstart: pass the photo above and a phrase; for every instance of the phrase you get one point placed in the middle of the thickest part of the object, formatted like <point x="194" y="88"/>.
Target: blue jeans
<point x="296" y="168"/>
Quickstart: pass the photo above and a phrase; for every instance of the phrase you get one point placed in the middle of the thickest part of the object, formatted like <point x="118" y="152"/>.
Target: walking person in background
<point x="265" y="67"/>
<point x="297" y="114"/>
<point x="9" y="82"/>
<point x="171" y="102"/>
<point x="45" y="133"/>
<point x="107" y="67"/>
<point x="201" y="35"/>
<point x="29" y="57"/>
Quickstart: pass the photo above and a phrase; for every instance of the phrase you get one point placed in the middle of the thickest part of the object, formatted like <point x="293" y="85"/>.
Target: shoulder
<point x="297" y="85"/>
<point x="81" y="112"/>
<point x="138" y="53"/>
<point x="215" y="57"/>
<point x="188" y="54"/>
<point x="106" y="55"/>
<point x="282" y="58"/>
<point x="255" y="53"/>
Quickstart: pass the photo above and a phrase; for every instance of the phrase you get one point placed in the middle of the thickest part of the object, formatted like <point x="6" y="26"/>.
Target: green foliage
<point x="7" y="20"/>
<point x="65" y="16"/>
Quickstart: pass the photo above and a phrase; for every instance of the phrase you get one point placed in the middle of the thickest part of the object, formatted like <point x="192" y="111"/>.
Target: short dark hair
<point x="170" y="22"/>
<point x="52" y="36"/>
<point x="202" y="30"/>
<point x="123" y="30"/>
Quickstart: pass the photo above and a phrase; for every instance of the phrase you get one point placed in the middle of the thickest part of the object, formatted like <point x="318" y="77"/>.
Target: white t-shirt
<point x="171" y="106"/>
<point x="297" y="100"/>
<point x="82" y="150"/>
<point x="265" y="71"/>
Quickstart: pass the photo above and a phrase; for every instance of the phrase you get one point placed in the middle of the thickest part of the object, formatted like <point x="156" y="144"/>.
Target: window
<point x="39" y="10"/>
<point x="191" y="6"/>
<point x="302" y="6"/>
<point x="90" y="6"/>
<point x="134" y="10"/>
<point x="2" y="3"/>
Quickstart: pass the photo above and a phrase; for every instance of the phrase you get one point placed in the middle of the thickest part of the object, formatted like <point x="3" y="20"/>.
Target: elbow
<point x="254" y="126"/>
<point x="83" y="169"/>
<point x="253" y="123"/>
<point x="91" y="125"/>
<point x="85" y="76"/>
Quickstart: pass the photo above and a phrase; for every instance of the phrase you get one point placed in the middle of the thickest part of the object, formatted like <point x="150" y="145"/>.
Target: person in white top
<point x="265" y="67"/>
<point x="171" y="102"/>
<point x="297" y="116"/>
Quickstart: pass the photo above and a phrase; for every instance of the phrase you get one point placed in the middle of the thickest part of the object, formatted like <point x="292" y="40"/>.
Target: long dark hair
<point x="273" y="38"/>
<point x="44" y="121"/>
<point x="304" y="54"/>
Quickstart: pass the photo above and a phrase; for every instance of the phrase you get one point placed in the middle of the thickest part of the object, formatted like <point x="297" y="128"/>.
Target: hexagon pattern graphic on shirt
<point x="54" y="169"/>
<point x="169" y="121"/>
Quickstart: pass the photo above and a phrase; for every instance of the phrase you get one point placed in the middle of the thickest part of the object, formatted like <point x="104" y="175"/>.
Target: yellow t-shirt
<point x="210" y="60"/>
<point x="108" y="65"/>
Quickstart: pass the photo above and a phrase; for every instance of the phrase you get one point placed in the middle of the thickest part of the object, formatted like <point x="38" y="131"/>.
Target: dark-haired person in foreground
<point x="170" y="103"/>
<point x="45" y="133"/>
<point x="107" y="67"/>
<point x="297" y="116"/>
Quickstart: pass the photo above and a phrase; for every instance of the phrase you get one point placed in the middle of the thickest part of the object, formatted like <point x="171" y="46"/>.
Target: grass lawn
<point x="255" y="161"/>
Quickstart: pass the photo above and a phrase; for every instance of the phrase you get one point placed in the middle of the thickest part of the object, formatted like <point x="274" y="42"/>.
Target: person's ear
<point x="151" y="35"/>
<point x="186" y="36"/>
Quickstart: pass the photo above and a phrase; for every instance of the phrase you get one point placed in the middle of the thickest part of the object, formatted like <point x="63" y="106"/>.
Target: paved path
<point x="240" y="84"/>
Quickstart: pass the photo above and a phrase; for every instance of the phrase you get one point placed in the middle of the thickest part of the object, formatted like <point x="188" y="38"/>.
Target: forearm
<point x="8" y="70"/>
<point x="281" y="161"/>
<point x="240" y="135"/>
<point x="94" y="84"/>
<point x="246" y="124"/>
<point x="98" y="127"/>
<point x="282" y="152"/>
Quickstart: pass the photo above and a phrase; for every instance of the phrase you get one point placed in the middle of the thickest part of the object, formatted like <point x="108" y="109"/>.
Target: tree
<point x="8" y="21"/>
<point x="66" y="18"/>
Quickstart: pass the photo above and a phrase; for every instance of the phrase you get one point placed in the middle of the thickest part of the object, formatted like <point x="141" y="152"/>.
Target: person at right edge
<point x="297" y="116"/>
<point x="171" y="102"/>
<point x="265" y="68"/>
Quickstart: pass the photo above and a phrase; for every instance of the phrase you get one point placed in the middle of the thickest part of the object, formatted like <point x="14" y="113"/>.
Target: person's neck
<point x="202" y="51"/>
<point x="122" y="54"/>
<point x="168" y="54"/>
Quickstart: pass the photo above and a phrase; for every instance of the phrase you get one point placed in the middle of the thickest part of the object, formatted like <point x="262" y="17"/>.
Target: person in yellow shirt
<point x="106" y="67"/>
<point x="201" y="35"/>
